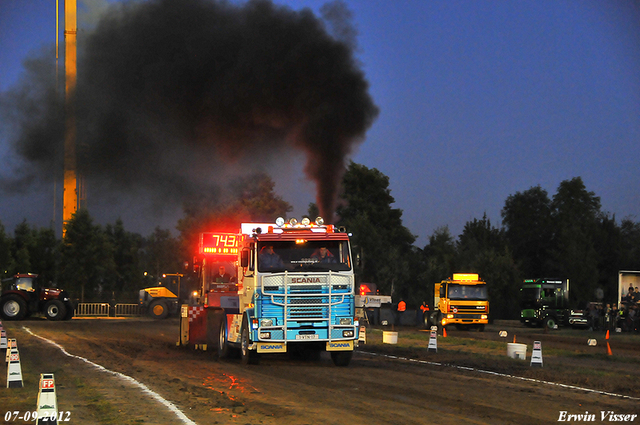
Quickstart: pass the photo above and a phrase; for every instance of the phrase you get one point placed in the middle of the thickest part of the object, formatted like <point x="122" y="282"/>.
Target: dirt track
<point x="451" y="386"/>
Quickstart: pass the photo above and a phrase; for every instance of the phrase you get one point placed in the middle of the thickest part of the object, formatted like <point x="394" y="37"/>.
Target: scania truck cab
<point x="293" y="288"/>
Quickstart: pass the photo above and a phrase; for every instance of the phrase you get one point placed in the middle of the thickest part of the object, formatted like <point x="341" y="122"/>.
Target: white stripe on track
<point x="504" y="375"/>
<point x="129" y="379"/>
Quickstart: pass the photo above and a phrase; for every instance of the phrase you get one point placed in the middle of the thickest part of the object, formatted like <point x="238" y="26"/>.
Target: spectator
<point x="423" y="315"/>
<point x="424" y="307"/>
<point x="402" y="307"/>
<point x="630" y="295"/>
<point x="593" y="316"/>
<point x="631" y="318"/>
<point x="614" y="317"/>
<point x="600" y="317"/>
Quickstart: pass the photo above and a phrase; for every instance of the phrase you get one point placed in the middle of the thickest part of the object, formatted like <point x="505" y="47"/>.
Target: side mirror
<point x="244" y="258"/>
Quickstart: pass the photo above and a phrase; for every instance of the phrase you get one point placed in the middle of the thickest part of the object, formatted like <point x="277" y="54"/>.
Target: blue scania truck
<point x="274" y="288"/>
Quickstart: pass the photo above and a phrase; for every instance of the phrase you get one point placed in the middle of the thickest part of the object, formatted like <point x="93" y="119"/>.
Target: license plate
<point x="314" y="336"/>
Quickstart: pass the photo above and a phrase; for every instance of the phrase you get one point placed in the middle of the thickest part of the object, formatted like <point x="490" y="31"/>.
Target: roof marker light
<point x="279" y="221"/>
<point x="306" y="221"/>
<point x="319" y="221"/>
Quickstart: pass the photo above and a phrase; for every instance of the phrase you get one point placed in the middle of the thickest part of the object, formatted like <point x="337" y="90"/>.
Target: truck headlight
<point x="347" y="334"/>
<point x="483" y="316"/>
<point x="449" y="316"/>
<point x="266" y="322"/>
<point x="345" y="321"/>
<point x="265" y="335"/>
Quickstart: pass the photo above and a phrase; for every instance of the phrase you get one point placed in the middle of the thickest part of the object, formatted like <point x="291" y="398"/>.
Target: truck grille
<point x="468" y="309"/>
<point x="311" y="289"/>
<point x="297" y="304"/>
<point x="306" y="313"/>
<point x="306" y="300"/>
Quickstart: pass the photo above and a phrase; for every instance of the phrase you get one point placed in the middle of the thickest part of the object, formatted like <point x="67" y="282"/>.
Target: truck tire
<point x="426" y="320"/>
<point x="341" y="358"/>
<point x="158" y="309"/>
<point x="435" y="318"/>
<point x="223" y="346"/>
<point x="247" y="356"/>
<point x="549" y="322"/>
<point x="13" y="307"/>
<point x="55" y="310"/>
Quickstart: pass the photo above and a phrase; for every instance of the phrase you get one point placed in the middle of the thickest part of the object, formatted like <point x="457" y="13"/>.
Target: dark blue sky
<point x="478" y="100"/>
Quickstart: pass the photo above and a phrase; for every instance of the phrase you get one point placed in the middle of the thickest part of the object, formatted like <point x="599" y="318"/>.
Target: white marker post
<point x="536" y="355"/>
<point x="362" y="336"/>
<point x="433" y="340"/>
<point x="14" y="371"/>
<point x="11" y="343"/>
<point x="47" y="401"/>
<point x="3" y="339"/>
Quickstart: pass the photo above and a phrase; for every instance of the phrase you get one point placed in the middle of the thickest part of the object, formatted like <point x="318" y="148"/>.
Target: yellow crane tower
<point x="73" y="193"/>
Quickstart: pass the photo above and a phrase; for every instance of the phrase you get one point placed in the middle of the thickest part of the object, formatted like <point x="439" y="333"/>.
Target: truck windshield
<point x="304" y="256"/>
<point x="529" y="297"/>
<point x="468" y="292"/>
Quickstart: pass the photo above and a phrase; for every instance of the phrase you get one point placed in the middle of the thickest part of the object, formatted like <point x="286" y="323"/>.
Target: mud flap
<point x="184" y="325"/>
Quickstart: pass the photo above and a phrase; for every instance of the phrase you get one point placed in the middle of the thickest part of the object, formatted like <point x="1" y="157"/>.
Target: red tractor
<point x="22" y="296"/>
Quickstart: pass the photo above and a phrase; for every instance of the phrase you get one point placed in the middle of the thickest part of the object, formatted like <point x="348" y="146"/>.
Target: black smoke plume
<point x="173" y="95"/>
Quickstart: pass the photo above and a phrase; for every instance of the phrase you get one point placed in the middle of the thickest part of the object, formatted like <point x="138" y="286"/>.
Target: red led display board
<point x="225" y="244"/>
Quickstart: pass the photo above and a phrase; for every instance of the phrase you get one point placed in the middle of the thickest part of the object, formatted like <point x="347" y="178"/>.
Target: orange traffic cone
<point x="609" y="349"/>
<point x="514" y="338"/>
<point x="444" y="332"/>
<point x="607" y="337"/>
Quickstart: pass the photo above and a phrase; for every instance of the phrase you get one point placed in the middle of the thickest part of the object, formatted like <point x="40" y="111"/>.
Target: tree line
<point x="93" y="263"/>
<point x="97" y="263"/>
<point x="565" y="235"/>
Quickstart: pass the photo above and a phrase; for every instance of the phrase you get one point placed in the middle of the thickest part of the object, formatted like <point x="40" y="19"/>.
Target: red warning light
<point x="367" y="289"/>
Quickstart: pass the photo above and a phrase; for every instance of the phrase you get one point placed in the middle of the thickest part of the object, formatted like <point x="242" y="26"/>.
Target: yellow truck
<point x="461" y="301"/>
